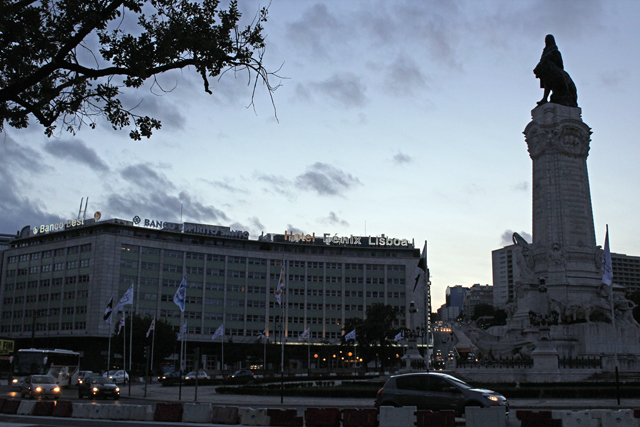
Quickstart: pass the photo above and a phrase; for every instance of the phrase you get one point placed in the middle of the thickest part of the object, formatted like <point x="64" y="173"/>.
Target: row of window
<point x="44" y="283"/>
<point x="64" y="326"/>
<point x="59" y="266"/>
<point x="18" y="314"/>
<point x="46" y="297"/>
<point x="48" y="254"/>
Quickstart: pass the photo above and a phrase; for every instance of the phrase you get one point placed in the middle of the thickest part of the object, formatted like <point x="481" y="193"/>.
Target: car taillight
<point x="380" y="391"/>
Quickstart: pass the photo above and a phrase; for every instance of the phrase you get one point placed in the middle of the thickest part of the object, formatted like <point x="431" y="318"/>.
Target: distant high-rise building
<point x="455" y="296"/>
<point x="626" y="271"/>
<point x="476" y="295"/>
<point x="504" y="270"/>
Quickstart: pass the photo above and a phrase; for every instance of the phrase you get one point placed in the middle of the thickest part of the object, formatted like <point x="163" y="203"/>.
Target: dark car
<point x="98" y="387"/>
<point x="39" y="386"/>
<point x="240" y="377"/>
<point x="435" y="391"/>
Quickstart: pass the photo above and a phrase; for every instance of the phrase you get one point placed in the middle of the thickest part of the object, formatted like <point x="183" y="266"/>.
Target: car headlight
<point x="56" y="390"/>
<point x="491" y="397"/>
<point x="15" y="381"/>
<point x="38" y="389"/>
<point x="95" y="389"/>
<point x="117" y="389"/>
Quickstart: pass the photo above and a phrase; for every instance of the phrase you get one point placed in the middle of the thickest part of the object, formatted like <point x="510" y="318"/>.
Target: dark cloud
<point x="17" y="207"/>
<point x="346" y="88"/>
<point x="333" y="219"/>
<point x="164" y="207"/>
<point x="77" y="151"/>
<point x="279" y="184"/>
<point x="326" y="180"/>
<point x="507" y="237"/>
<point x="401" y="158"/>
<point x="144" y="176"/>
<point x="316" y="32"/>
<point x="294" y="230"/>
<point x="404" y="77"/>
<point x="226" y="185"/>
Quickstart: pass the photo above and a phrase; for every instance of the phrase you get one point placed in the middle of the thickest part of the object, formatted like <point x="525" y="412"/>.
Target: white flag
<point x="127" y="299"/>
<point x="108" y="311"/>
<point x="305" y="335"/>
<point x="399" y="336"/>
<point x="280" y="287"/>
<point x="218" y="333"/>
<point x="607" y="268"/>
<point x="184" y="330"/>
<point x="152" y="327"/>
<point x="181" y="294"/>
<point x="350" y="336"/>
<point x="262" y="334"/>
<point x="121" y="324"/>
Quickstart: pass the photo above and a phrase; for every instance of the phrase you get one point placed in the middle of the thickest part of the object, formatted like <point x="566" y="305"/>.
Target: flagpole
<point x="222" y="361"/>
<point x="130" y="345"/>
<point x="282" y="331"/>
<point x="124" y="342"/>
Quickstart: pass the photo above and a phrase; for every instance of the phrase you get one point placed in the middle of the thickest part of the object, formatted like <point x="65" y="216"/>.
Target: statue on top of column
<point x="553" y="78"/>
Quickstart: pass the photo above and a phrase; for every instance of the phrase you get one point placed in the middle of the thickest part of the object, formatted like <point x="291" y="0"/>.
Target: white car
<point x="202" y="375"/>
<point x="117" y="376"/>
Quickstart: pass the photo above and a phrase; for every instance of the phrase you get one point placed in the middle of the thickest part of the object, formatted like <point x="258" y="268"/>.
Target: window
<point x="80" y="325"/>
<point x="83" y="278"/>
<point x="84" y="262"/>
<point x="235" y="288"/>
<point x="150" y="281"/>
<point x="8" y="286"/>
<point x="47" y="254"/>
<point x="73" y="250"/>
<point x="68" y="310"/>
<point x="58" y="252"/>
<point x="256" y="275"/>
<point x="34" y="270"/>
<point x="43" y="297"/>
<point x="81" y="310"/>
<point x="150" y="251"/>
<point x="70" y="295"/>
<point x="256" y="303"/>
<point x="55" y="297"/>
<point x="214" y="286"/>
<point x="32" y="284"/>
<point x="129" y="248"/>
<point x="215" y="272"/>
<point x="257" y="289"/>
<point x="171" y="267"/>
<point x="31" y="298"/>
<point x="67" y="326"/>
<point x="128" y="263"/>
<point x="173" y="254"/>
<point x="35" y="255"/>
<point x="20" y="285"/>
<point x="85" y="248"/>
<point x="57" y="281"/>
<point x="195" y="255"/>
<point x="24" y="257"/>
<point x="195" y="270"/>
<point x="315" y="264"/>
<point x="12" y="259"/>
<point x="237" y="259"/>
<point x="353" y="280"/>
<point x="70" y="280"/>
<point x="47" y="268"/>
<point x="214" y="257"/>
<point x="235" y="317"/>
<point x="83" y="294"/>
<point x="149" y="266"/>
<point x="257" y="261"/>
<point x="19" y="300"/>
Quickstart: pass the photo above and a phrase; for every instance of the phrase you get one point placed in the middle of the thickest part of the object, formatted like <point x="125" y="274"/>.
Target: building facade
<point x="476" y="295"/>
<point x="58" y="283"/>
<point x="626" y="271"/>
<point x="504" y="270"/>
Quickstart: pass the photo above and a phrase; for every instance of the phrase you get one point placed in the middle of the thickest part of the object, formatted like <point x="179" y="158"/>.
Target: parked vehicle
<point x="435" y="391"/>
<point x="98" y="387"/>
<point x="118" y="376"/>
<point x="83" y="375"/>
<point x="169" y="376"/>
<point x="39" y="386"/>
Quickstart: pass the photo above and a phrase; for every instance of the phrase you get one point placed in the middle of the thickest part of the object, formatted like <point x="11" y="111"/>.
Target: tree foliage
<point x="50" y="67"/>
<point x="375" y="332"/>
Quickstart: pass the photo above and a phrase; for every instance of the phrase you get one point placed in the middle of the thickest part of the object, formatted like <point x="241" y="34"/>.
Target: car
<point x="169" y="376"/>
<point x="240" y="376"/>
<point x="202" y="375"/>
<point x="39" y="386"/>
<point x="435" y="391"/>
<point x="98" y="387"/>
<point x="83" y="375"/>
<point x="118" y="376"/>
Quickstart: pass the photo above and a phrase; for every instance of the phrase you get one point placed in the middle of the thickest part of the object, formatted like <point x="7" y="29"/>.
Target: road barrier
<point x="494" y="416"/>
<point x="26" y="407"/>
<point x="575" y="418"/>
<point x="197" y="413"/>
<point x="170" y="412"/>
<point x="10" y="407"/>
<point x="254" y="417"/>
<point x="44" y="409"/>
<point x="394" y="417"/>
<point x="437" y="418"/>
<point x="322" y="417"/>
<point x="225" y="415"/>
<point x="284" y="418"/>
<point x="63" y="408"/>
<point x="360" y="418"/>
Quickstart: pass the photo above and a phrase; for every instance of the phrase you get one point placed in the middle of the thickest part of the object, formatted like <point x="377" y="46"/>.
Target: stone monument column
<point x="564" y="243"/>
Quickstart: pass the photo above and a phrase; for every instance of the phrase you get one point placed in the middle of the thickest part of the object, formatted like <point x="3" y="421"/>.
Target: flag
<point x="262" y="334"/>
<point x="305" y="335"/>
<point x="184" y="330"/>
<point x="108" y="311"/>
<point x="607" y="268"/>
<point x="152" y="327"/>
<point x="350" y="336"/>
<point x="181" y="294"/>
<point x="399" y="336"/>
<point x="421" y="268"/>
<point x="280" y="287"/>
<point x="218" y="333"/>
<point x="121" y="325"/>
<point x="127" y="299"/>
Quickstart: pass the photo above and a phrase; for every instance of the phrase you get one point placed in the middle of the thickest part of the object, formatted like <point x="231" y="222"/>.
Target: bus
<point x="62" y="365"/>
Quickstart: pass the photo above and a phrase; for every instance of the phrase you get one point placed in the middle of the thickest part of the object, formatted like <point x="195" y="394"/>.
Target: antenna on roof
<point x="80" y="211"/>
<point x="84" y="214"/>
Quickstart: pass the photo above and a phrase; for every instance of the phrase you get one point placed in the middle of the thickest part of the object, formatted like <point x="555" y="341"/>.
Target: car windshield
<point x="102" y="380"/>
<point x="42" y="379"/>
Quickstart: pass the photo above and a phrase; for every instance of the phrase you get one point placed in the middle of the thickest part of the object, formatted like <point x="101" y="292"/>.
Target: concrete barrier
<point x="44" y="409"/>
<point x="98" y="412"/>
<point x="575" y="418"/>
<point x="493" y="416"/>
<point x="140" y="412"/>
<point x="26" y="407"/>
<point x="623" y="417"/>
<point x="253" y="417"/>
<point x="394" y="417"/>
<point x="359" y="418"/>
<point x="322" y="417"/>
<point x="197" y="413"/>
<point x="225" y="415"/>
<point x="435" y="418"/>
<point x="288" y="418"/>
<point x="170" y="412"/>
<point x="120" y="412"/>
<point x="10" y="407"/>
<point x="64" y="408"/>
<point x="80" y="410"/>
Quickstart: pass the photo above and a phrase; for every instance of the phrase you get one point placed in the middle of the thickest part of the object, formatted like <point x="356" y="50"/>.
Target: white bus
<point x="62" y="365"/>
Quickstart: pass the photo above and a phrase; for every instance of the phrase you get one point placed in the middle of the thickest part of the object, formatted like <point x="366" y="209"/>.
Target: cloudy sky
<point x="402" y="118"/>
